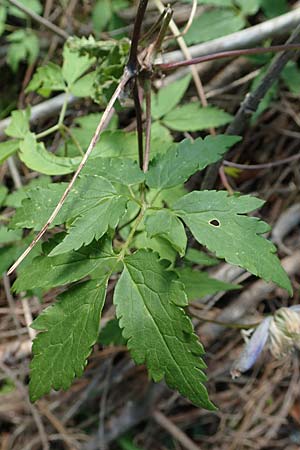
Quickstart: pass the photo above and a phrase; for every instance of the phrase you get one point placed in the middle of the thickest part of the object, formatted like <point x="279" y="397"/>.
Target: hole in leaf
<point x="214" y="223"/>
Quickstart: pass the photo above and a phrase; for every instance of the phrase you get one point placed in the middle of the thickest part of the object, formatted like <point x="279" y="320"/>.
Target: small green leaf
<point x="69" y="329"/>
<point x="272" y="9"/>
<point x="9" y="236"/>
<point x="3" y="194"/>
<point x="248" y="7"/>
<point x="36" y="157"/>
<point x="15" y="198"/>
<point x="165" y="224"/>
<point x="74" y="65"/>
<point x="214" y="24"/>
<point x="45" y="272"/>
<point x="111" y="334"/>
<point x="7" y="149"/>
<point x="3" y="14"/>
<point x="19" y="124"/>
<point x="123" y="171"/>
<point x="268" y="97"/>
<point x="127" y="444"/>
<point x="47" y="79"/>
<point x="168" y="97"/>
<point x="218" y="221"/>
<point x="149" y="304"/>
<point x="84" y="86"/>
<point x="192" y="117"/>
<point x="101" y="14"/>
<point x="158" y="244"/>
<point x="24" y="46"/>
<point x="8" y="255"/>
<point x="198" y="257"/>
<point x="199" y="284"/>
<point x="291" y="77"/>
<point x="186" y="158"/>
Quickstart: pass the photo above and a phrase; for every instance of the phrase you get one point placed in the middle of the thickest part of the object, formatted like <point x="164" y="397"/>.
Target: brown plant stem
<point x="133" y="55"/>
<point x="139" y="121"/>
<point x="228" y="54"/>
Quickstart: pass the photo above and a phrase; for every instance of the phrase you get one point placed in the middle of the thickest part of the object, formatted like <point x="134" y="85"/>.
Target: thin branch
<point x="102" y="124"/>
<point x="262" y="166"/>
<point x="41" y="20"/>
<point x="227" y="54"/>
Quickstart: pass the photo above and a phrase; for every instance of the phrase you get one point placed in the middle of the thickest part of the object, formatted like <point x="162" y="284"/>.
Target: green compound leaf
<point x="149" y="303"/>
<point x="184" y="159"/>
<point x="192" y="117"/>
<point x="36" y="157"/>
<point x="218" y="221"/>
<point x="199" y="284"/>
<point x="164" y="223"/>
<point x="88" y="193"/>
<point x="69" y="329"/>
<point x="95" y="222"/>
<point x="46" y="272"/>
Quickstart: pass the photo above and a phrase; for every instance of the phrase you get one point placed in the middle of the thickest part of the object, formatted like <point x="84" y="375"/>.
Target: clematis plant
<point x="279" y="333"/>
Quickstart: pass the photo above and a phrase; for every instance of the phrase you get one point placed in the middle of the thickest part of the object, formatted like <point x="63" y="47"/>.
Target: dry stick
<point x="46" y="23"/>
<point x="187" y="54"/>
<point x="251" y="103"/>
<point x="102" y="124"/>
<point x="174" y="431"/>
